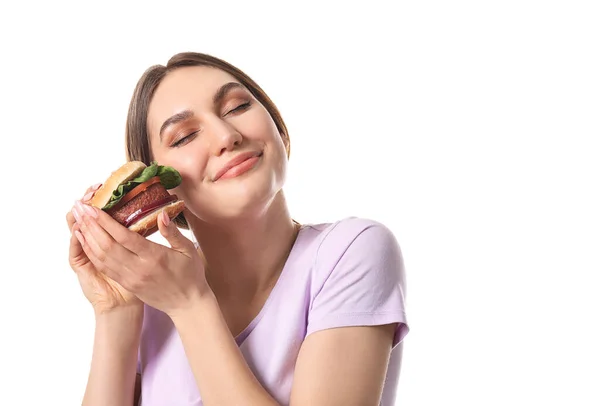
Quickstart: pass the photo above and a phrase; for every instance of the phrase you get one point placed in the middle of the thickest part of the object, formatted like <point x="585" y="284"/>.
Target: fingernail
<point x="88" y="196"/>
<point x="76" y="215"/>
<point x="79" y="237"/>
<point x="89" y="210"/>
<point x="96" y="186"/>
<point x="166" y="219"/>
<point x="79" y="209"/>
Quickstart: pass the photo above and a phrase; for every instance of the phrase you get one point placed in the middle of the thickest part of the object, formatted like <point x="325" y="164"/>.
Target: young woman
<point x="259" y="310"/>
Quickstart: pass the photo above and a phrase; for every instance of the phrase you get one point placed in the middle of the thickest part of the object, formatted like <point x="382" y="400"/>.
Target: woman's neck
<point x="246" y="258"/>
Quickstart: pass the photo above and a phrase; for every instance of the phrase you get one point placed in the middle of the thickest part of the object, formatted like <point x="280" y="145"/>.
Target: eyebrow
<point x="187" y="114"/>
<point x="223" y="90"/>
<point x="177" y="118"/>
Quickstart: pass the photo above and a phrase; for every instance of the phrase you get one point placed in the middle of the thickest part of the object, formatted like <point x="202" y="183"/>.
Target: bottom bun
<point x="148" y="224"/>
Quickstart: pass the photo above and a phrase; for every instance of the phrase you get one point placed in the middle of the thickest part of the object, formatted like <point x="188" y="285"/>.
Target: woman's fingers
<point x="112" y="258"/>
<point x="75" y="248"/>
<point x="79" y="252"/>
<point x="71" y="219"/>
<point x="132" y="241"/>
<point x="89" y="193"/>
<point x="89" y="252"/>
<point x="72" y="216"/>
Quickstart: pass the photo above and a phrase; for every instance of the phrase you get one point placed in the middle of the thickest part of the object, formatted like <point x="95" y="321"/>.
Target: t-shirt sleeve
<point x="362" y="279"/>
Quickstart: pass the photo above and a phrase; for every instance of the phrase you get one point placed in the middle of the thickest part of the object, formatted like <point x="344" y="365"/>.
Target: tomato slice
<point x="134" y="192"/>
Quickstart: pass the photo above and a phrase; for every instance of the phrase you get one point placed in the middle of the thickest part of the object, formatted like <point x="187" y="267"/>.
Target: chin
<point x="246" y="199"/>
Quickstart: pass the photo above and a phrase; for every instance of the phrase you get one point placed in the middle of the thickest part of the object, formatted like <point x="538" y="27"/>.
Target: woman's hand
<point x="168" y="279"/>
<point x="102" y="292"/>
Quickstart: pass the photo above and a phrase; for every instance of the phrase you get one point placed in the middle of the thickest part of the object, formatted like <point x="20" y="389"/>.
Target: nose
<point x="223" y="137"/>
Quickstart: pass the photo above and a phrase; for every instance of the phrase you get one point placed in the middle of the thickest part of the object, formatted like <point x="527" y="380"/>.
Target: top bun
<point x="124" y="174"/>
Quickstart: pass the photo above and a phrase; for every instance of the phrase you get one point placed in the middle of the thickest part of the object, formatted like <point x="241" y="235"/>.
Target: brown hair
<point x="137" y="140"/>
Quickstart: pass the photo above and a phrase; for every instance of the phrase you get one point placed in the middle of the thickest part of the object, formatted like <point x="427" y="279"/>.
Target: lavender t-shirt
<point x="347" y="273"/>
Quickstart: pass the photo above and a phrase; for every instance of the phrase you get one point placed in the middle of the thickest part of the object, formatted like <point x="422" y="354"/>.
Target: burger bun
<point x="149" y="223"/>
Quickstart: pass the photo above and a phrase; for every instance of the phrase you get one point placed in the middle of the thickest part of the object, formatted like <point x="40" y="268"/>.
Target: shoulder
<point x="356" y="242"/>
<point x="353" y="236"/>
<point x="358" y="277"/>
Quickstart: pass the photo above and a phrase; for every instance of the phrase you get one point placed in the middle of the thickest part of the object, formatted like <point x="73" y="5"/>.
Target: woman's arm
<point x="344" y="366"/>
<point x="222" y="374"/>
<point x="112" y="377"/>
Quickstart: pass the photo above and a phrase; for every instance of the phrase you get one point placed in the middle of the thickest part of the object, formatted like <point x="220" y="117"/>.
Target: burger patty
<point x="152" y="194"/>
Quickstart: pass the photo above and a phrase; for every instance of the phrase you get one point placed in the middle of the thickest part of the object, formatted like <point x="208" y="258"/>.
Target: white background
<point x="470" y="128"/>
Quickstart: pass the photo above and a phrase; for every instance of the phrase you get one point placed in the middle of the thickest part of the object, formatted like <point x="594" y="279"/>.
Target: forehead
<point x="185" y="88"/>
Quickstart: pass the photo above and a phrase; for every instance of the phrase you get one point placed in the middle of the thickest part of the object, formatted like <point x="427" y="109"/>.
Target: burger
<point x="135" y="194"/>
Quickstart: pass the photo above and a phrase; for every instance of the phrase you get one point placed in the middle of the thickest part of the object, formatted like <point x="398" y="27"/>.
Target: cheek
<point x="189" y="162"/>
<point x="192" y="168"/>
<point x="260" y="127"/>
<point x="266" y="132"/>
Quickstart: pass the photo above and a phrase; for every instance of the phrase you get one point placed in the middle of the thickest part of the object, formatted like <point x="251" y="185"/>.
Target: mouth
<point x="239" y="165"/>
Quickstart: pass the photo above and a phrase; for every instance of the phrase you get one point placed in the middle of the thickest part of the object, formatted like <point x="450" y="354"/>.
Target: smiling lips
<point x="238" y="165"/>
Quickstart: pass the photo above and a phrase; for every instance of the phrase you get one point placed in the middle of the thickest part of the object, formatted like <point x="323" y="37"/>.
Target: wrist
<point x="198" y="305"/>
<point x="128" y="312"/>
<point x="103" y="311"/>
<point x="120" y="319"/>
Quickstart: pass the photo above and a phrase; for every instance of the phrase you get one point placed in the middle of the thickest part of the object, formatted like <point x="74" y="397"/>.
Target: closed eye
<point x="241" y="107"/>
<point x="183" y="140"/>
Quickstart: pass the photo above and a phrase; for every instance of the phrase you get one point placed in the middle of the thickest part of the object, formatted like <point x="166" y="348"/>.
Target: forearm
<point x="113" y="368"/>
<point x="222" y="374"/>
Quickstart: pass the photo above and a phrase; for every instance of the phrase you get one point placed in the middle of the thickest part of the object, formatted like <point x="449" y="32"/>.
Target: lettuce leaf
<point x="169" y="178"/>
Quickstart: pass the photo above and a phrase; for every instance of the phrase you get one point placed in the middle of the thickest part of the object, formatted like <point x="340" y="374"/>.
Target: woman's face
<point x="202" y="121"/>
